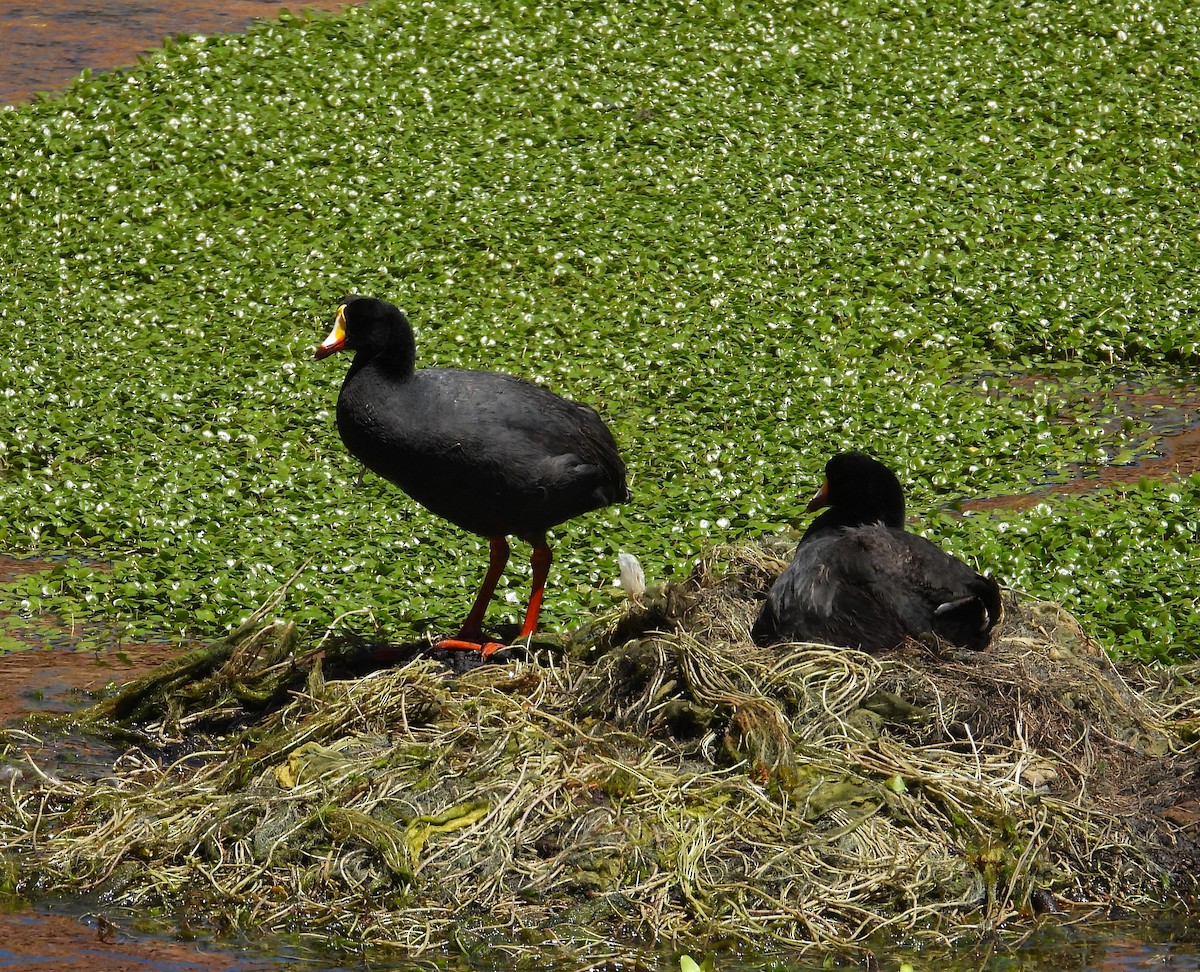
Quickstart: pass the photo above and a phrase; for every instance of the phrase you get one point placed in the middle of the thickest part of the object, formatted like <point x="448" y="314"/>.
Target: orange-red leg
<point x="470" y="636"/>
<point x="540" y="561"/>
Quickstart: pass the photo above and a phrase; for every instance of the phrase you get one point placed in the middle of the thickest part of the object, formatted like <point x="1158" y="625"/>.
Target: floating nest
<point x="658" y="779"/>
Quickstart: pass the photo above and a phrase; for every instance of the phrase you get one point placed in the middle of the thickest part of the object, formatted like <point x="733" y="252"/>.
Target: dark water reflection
<point x="45" y="44"/>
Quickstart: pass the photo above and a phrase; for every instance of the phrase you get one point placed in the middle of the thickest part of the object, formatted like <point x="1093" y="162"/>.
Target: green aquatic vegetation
<point x="750" y="236"/>
<point x="1119" y="553"/>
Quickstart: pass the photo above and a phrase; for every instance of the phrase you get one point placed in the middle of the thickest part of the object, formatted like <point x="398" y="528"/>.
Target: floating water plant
<point x="760" y="234"/>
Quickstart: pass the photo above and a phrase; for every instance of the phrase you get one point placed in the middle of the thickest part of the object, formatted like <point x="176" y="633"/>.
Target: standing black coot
<point x="496" y="455"/>
<point x="858" y="580"/>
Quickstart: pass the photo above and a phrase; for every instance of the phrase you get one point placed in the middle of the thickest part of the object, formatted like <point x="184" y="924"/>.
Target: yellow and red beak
<point x="337" y="337"/>
<point x="820" y="500"/>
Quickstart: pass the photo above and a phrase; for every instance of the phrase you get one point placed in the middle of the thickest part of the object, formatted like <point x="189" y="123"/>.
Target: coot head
<point x="858" y="490"/>
<point x="371" y="327"/>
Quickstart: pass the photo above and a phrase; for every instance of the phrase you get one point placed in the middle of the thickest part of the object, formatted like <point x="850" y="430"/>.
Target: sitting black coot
<point x="858" y="580"/>
<point x="496" y="455"/>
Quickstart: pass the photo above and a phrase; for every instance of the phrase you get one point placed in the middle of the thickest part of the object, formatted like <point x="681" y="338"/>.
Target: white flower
<point x="633" y="578"/>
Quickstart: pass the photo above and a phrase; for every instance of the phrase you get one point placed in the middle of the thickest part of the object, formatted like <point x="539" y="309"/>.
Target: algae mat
<point x="657" y="780"/>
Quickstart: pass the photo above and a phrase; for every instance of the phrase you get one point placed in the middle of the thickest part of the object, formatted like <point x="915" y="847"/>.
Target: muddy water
<point x="44" y="44"/>
<point x="47" y="671"/>
<point x="48" y="676"/>
<point x="66" y="943"/>
<point x="1167" y="445"/>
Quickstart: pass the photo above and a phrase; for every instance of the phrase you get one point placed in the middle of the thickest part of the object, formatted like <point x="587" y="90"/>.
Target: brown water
<point x="64" y="943"/>
<point x="44" y="44"/>
<point x="1167" y="445"/>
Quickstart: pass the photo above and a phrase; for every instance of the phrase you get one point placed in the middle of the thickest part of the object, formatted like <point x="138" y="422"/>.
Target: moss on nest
<point x="660" y="779"/>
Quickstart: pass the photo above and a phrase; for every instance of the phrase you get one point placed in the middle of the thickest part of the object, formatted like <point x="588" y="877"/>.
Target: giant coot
<point x="859" y="580"/>
<point x="496" y="455"/>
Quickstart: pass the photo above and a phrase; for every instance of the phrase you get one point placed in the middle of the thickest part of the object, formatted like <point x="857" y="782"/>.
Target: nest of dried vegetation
<point x="659" y="780"/>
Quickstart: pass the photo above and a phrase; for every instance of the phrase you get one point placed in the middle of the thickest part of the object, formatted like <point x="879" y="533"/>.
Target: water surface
<point x="45" y="44"/>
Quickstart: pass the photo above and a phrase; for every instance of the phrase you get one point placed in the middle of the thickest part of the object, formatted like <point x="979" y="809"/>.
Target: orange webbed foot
<point x="485" y="648"/>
